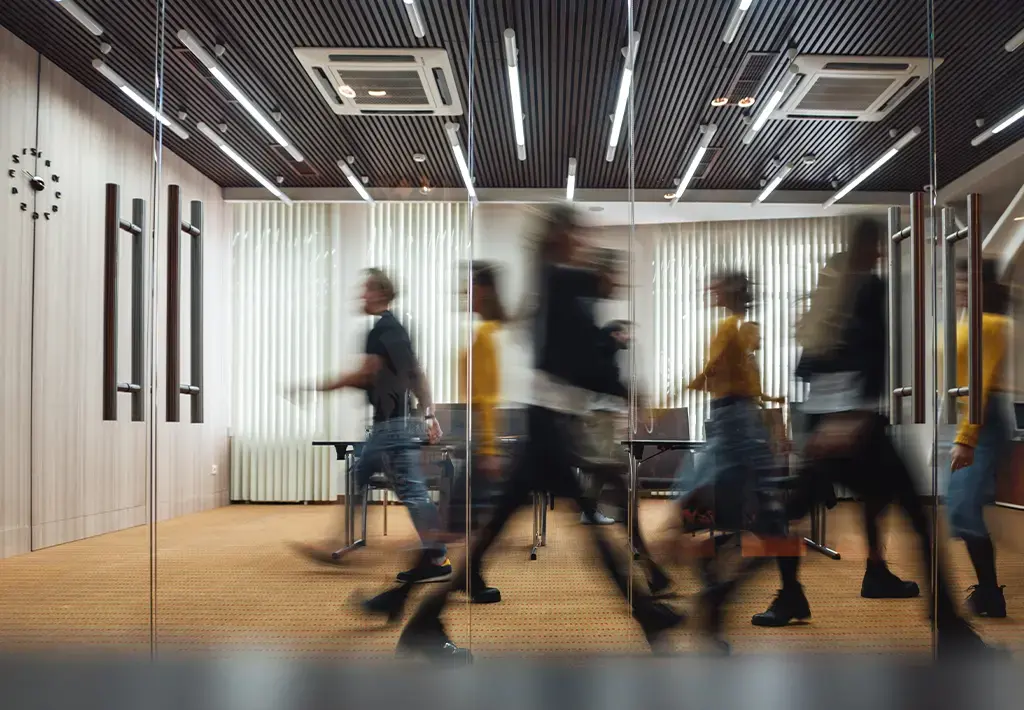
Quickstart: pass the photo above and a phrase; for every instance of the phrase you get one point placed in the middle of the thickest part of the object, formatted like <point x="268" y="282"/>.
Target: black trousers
<point x="545" y="461"/>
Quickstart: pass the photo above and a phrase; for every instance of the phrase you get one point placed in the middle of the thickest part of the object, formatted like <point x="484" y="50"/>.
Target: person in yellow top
<point x="978" y="450"/>
<point x="485" y="387"/>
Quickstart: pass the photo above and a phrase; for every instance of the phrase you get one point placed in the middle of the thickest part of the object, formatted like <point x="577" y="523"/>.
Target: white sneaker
<point x="598" y="519"/>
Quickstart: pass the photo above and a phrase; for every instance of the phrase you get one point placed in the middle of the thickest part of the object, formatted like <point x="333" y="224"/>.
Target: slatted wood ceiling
<point x="571" y="62"/>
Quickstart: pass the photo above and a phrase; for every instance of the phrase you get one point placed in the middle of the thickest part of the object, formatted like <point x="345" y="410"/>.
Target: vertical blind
<point x="297" y="270"/>
<point x="782" y="259"/>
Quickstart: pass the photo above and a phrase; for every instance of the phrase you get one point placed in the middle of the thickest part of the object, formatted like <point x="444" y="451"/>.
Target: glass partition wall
<point x="83" y="129"/>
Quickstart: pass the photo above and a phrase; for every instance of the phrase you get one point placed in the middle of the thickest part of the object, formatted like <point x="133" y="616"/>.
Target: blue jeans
<point x="393" y="449"/>
<point x="973" y="487"/>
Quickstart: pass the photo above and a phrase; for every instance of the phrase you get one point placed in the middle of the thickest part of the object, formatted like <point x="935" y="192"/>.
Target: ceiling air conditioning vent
<point x="388" y="82"/>
<point x="852" y="88"/>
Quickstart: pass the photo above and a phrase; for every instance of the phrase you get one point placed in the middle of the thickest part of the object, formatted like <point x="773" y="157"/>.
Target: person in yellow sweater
<point x="978" y="449"/>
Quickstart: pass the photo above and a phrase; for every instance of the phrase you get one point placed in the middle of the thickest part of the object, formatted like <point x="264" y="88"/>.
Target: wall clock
<point x="35" y="183"/>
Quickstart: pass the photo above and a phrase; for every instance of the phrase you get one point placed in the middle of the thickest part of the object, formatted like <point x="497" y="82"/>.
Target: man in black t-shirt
<point x="392" y="378"/>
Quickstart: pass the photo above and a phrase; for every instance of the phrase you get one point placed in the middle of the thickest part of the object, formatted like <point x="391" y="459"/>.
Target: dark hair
<point x="995" y="295"/>
<point x="485" y="275"/>
<point x="379" y="280"/>
<point x="735" y="289"/>
<point x="560" y="220"/>
<point x="865" y="233"/>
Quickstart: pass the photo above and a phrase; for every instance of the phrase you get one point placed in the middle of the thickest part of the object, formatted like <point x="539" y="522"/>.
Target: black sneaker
<point x="880" y="583"/>
<point x="957" y="639"/>
<point x="788" y="605"/>
<point x="987" y="602"/>
<point x="428" y="639"/>
<point x="428" y="571"/>
<point x="479" y="592"/>
<point x="390" y="604"/>
<point x="655" y="618"/>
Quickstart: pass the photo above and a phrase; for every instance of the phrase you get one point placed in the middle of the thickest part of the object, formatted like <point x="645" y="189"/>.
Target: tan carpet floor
<point x="228" y="580"/>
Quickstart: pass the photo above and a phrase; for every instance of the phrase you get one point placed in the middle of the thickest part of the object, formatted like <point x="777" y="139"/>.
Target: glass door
<point x="82" y="127"/>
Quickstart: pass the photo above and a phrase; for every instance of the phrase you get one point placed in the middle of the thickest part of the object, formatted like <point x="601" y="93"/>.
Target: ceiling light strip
<point x="776" y="181"/>
<point x="623" y="98"/>
<point x="242" y="162"/>
<point x="460" y="158"/>
<point x="512" y="64"/>
<point x="886" y="157"/>
<point x="735" y="20"/>
<point x="81" y="16"/>
<point x="193" y="45"/>
<point x="1015" y="43"/>
<point x="354" y="181"/>
<point x="702" y="148"/>
<point x="999" y="127"/>
<point x="570" y="182"/>
<point x="412" y="9"/>
<point x="131" y="93"/>
<point x="765" y="112"/>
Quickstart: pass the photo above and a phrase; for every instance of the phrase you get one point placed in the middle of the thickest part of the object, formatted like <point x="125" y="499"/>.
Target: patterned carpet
<point x="228" y="580"/>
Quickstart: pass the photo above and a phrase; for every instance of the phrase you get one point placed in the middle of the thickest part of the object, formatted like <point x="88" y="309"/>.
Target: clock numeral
<point x="35" y="153"/>
<point x="54" y="209"/>
<point x="11" y="173"/>
<point x="57" y="195"/>
<point x="14" y="191"/>
<point x="46" y="215"/>
<point x="47" y="163"/>
<point x="24" y="151"/>
<point x="15" y="159"/>
<point x="24" y="206"/>
<point x="55" y="178"/>
<point x="35" y="215"/>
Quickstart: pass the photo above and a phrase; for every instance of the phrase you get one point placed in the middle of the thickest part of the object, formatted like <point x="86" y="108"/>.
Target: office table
<point x="347" y="451"/>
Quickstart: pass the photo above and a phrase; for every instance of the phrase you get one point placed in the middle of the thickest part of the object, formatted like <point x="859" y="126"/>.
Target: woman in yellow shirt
<point x="978" y="450"/>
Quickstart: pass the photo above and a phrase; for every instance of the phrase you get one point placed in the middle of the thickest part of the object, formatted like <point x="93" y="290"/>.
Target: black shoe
<point x="479" y="593"/>
<point x="427" y="571"/>
<point x="956" y="639"/>
<point x="987" y="602"/>
<point x="390" y="603"/>
<point x="788" y="605"/>
<point x="655" y="618"/>
<point x="428" y="639"/>
<point x="880" y="583"/>
<point x="658" y="582"/>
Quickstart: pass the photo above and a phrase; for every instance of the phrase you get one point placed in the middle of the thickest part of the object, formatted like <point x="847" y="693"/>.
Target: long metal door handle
<point x="113" y="226"/>
<point x="917" y="278"/>
<point x="194" y="229"/>
<point x="897" y="388"/>
<point x="952" y="235"/>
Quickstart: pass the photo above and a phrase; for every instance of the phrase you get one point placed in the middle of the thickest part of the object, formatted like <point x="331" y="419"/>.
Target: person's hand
<point x="296" y="394"/>
<point x="433" y="430"/>
<point x="962" y="457"/>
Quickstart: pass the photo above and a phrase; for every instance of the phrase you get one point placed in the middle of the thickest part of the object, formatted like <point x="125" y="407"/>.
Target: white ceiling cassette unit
<point x="851" y="88"/>
<point x="384" y="82"/>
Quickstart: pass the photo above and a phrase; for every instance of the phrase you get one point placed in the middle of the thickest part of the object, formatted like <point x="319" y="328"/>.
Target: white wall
<point x="87" y="476"/>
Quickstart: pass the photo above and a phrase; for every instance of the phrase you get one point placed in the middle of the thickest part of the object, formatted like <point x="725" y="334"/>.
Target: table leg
<point x="819" y="527"/>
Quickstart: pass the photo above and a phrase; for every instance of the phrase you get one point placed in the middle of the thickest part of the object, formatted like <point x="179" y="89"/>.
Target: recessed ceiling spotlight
<point x="809" y="159"/>
<point x="279" y="179"/>
<point x="377" y="92"/>
<point x="105" y="48"/>
<point x="426" y="190"/>
<point x="347" y="91"/>
<point x="419" y="157"/>
<point x="720" y="101"/>
<point x="746" y="101"/>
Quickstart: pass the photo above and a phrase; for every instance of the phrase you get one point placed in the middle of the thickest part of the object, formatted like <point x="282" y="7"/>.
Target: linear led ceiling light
<point x="570" y="182"/>
<point x="1001" y="126"/>
<point x="624" y="86"/>
<point x="415" y="18"/>
<point x="900" y="144"/>
<point x="83" y="17"/>
<point x="770" y="105"/>
<point x="242" y="162"/>
<point x="460" y="158"/>
<point x="1015" y="42"/>
<point x="146" y="106"/>
<point x="512" y="62"/>
<point x="354" y="180"/>
<point x="702" y="148"/>
<point x="210" y="63"/>
<point x="735" y="20"/>
<point x="776" y="181"/>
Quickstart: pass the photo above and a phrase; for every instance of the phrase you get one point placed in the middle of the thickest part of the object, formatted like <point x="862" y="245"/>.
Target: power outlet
<point x="213" y="470"/>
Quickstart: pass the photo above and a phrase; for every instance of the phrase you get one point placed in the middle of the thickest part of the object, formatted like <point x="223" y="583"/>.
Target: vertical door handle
<point x="113" y="226"/>
<point x="972" y="233"/>
<point x="916" y="389"/>
<point x="194" y="229"/>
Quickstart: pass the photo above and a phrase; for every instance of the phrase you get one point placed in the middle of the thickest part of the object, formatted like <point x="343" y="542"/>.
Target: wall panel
<point x="18" y="74"/>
